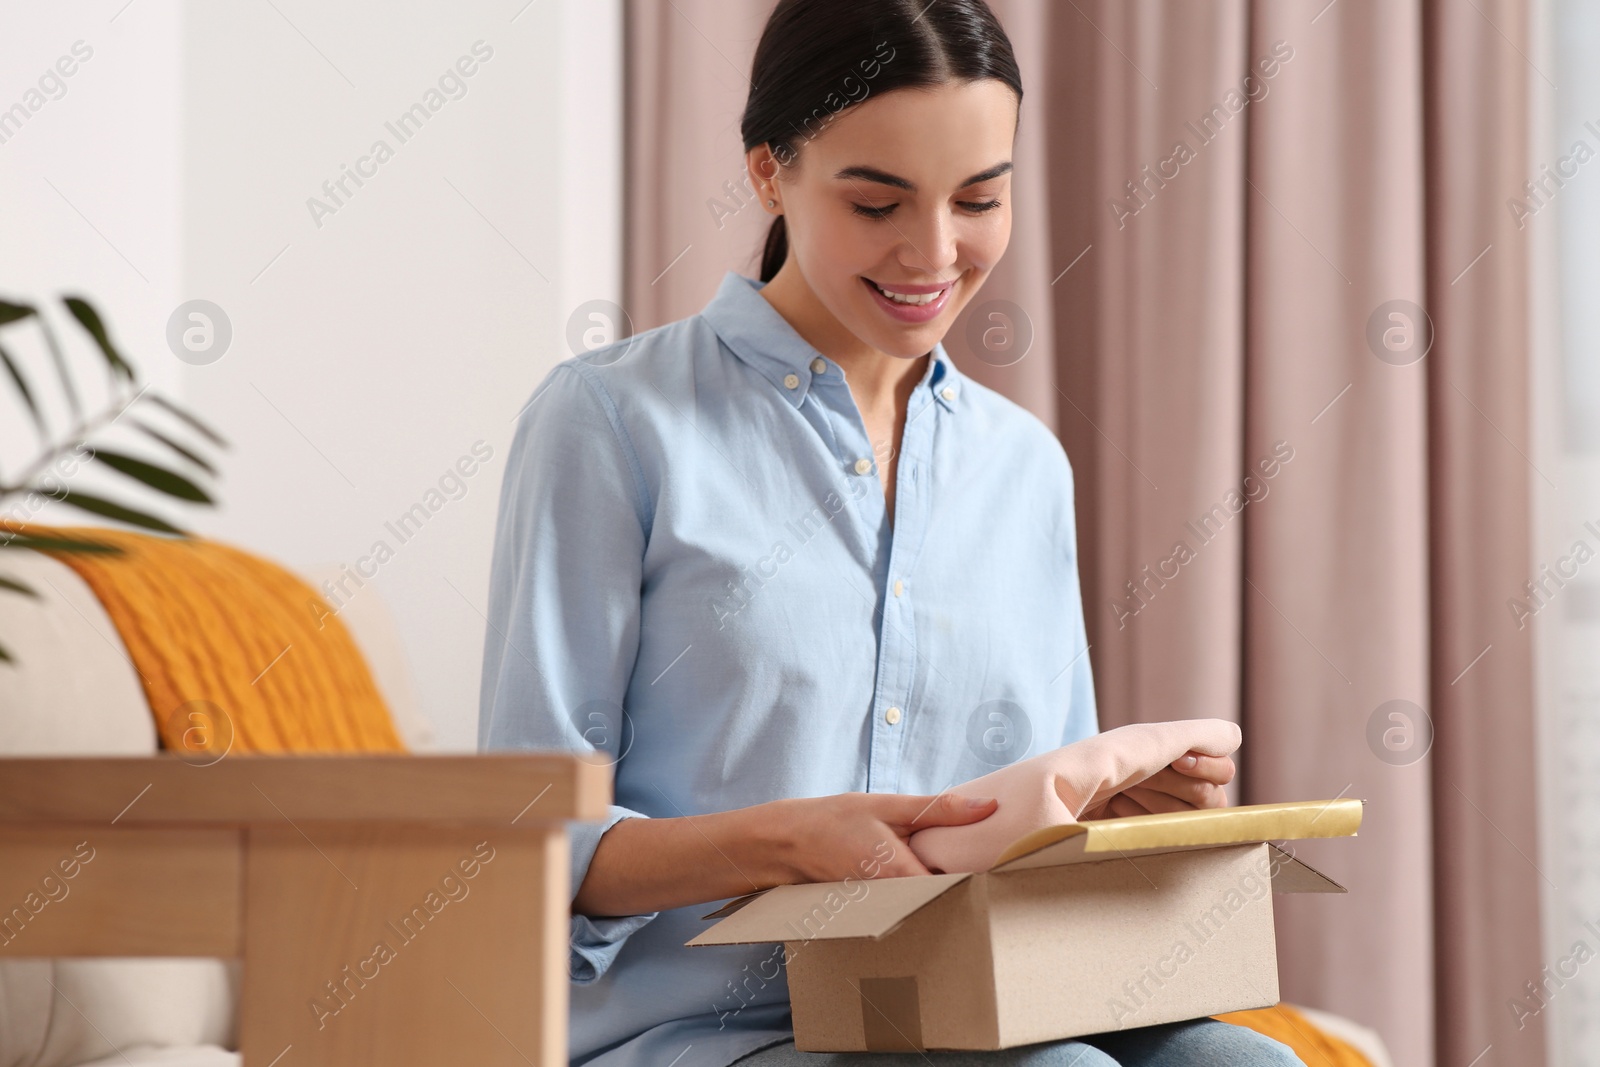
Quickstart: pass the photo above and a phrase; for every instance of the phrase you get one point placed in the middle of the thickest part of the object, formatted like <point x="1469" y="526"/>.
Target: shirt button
<point x="948" y="394"/>
<point x="863" y="465"/>
<point x="891" y="716"/>
<point x="819" y="366"/>
<point x="899" y="587"/>
<point x="791" y="380"/>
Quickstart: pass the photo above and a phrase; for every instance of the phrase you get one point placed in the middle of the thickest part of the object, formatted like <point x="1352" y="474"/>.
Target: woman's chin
<point x="905" y="341"/>
<point x="904" y="348"/>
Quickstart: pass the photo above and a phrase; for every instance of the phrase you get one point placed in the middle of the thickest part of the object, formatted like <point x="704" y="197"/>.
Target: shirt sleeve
<point x="563" y="613"/>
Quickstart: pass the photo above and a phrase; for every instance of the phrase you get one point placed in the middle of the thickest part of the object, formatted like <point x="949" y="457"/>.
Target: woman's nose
<point x="930" y="244"/>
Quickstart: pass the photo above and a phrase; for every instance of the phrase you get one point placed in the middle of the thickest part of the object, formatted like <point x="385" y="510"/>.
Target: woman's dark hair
<point x="818" y="57"/>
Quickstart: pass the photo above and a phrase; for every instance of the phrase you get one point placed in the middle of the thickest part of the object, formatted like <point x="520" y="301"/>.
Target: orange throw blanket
<point x="235" y="653"/>
<point x="1283" y="1023"/>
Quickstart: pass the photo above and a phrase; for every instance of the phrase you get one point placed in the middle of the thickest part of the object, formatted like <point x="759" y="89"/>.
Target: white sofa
<point x="73" y="692"/>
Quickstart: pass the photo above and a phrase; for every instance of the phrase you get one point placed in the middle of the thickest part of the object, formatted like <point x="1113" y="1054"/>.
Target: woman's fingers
<point x="1217" y="769"/>
<point x="1191" y="792"/>
<point x="941" y="809"/>
<point x="901" y="864"/>
<point x="1163" y="792"/>
<point x="1128" y="755"/>
<point x="1154" y="800"/>
<point x="905" y="815"/>
<point x="1157" y="802"/>
<point x="859" y="835"/>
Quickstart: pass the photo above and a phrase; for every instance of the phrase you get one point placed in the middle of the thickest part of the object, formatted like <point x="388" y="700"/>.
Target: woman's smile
<point x="915" y="304"/>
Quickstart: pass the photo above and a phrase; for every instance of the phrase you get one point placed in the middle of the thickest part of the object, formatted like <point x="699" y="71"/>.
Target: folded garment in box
<point x="1058" y="786"/>
<point x="1076" y="929"/>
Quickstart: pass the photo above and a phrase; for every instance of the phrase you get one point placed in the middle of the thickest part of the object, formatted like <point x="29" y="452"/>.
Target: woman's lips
<point x="911" y="313"/>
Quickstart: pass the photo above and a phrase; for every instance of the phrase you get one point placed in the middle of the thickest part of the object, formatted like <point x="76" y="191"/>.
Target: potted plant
<point x="131" y="405"/>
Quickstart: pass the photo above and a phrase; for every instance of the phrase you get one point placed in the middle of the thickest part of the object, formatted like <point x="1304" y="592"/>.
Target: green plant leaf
<point x="27" y="394"/>
<point x="61" y="368"/>
<point x="58" y="544"/>
<point x="157" y="478"/>
<point x="99" y="505"/>
<point x="17" y="587"/>
<point x="200" y="427"/>
<point x="90" y="320"/>
<point x="10" y="312"/>
<point x="192" y="457"/>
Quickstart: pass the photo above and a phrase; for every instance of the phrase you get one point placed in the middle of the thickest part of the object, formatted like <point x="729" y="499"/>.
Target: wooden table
<point x="388" y="909"/>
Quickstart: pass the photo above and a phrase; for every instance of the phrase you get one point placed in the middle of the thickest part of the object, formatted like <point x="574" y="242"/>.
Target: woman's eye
<point x="977" y="208"/>
<point x="873" y="212"/>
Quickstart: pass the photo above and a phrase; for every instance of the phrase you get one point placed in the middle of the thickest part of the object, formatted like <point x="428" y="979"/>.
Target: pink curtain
<point x="1477" y="85"/>
<point x="1292" y="511"/>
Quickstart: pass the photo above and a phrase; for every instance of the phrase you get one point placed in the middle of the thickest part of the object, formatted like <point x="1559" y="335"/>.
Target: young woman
<point x="791" y="571"/>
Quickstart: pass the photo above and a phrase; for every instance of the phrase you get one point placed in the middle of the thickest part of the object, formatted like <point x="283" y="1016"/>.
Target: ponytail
<point x="776" y="250"/>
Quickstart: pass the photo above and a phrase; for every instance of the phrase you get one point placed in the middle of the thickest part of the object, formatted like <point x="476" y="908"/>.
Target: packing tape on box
<point x="891" y="1014"/>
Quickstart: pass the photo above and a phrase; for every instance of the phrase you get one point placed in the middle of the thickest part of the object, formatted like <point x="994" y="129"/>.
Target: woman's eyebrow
<point x="873" y="174"/>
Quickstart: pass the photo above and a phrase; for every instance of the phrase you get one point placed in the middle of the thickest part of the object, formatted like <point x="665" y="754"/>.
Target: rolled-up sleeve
<point x="563" y="609"/>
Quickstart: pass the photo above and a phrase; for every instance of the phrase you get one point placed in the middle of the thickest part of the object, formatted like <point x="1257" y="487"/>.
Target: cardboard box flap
<point x="1291" y="875"/>
<point x="1179" y="830"/>
<point x="824" y="910"/>
<point x="733" y="905"/>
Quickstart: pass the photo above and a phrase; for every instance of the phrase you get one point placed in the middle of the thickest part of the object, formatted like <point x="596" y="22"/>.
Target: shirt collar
<point x="763" y="338"/>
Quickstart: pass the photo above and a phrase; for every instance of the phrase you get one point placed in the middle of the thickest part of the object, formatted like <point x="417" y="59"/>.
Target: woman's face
<point x="910" y="191"/>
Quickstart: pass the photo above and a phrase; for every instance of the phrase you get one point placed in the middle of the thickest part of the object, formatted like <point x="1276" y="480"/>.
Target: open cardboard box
<point x="1076" y="929"/>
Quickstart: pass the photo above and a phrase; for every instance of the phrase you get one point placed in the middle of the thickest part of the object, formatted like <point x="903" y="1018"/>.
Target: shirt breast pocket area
<point x="743" y="593"/>
<point x="742" y="566"/>
<point x="996" y="630"/>
<point x="744" y="584"/>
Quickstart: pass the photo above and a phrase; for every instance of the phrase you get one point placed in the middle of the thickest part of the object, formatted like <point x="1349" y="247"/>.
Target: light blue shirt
<point x="695" y="574"/>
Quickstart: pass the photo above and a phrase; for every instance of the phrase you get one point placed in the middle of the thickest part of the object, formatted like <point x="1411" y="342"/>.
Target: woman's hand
<point x="862" y="835"/>
<point x="1194" y="781"/>
<point x="643" y="865"/>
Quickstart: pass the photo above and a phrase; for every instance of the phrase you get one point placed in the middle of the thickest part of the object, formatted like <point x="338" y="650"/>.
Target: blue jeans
<point x="1197" y="1043"/>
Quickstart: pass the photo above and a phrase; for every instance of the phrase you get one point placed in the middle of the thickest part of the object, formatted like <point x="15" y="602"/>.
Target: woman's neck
<point x="878" y="381"/>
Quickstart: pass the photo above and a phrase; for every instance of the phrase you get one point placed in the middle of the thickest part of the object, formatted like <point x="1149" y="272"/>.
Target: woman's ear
<point x="763" y="169"/>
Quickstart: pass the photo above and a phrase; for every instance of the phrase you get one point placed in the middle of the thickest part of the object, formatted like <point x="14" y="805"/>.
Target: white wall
<point x="373" y="344"/>
<point x="1566" y="234"/>
<point x="90" y="171"/>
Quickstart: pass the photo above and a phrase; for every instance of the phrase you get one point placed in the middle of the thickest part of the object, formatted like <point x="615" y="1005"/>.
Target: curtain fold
<point x="1336" y="564"/>
<point x="1295" y="509"/>
<point x="1260" y="503"/>
<point x="1477" y="91"/>
<point x="690" y="211"/>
